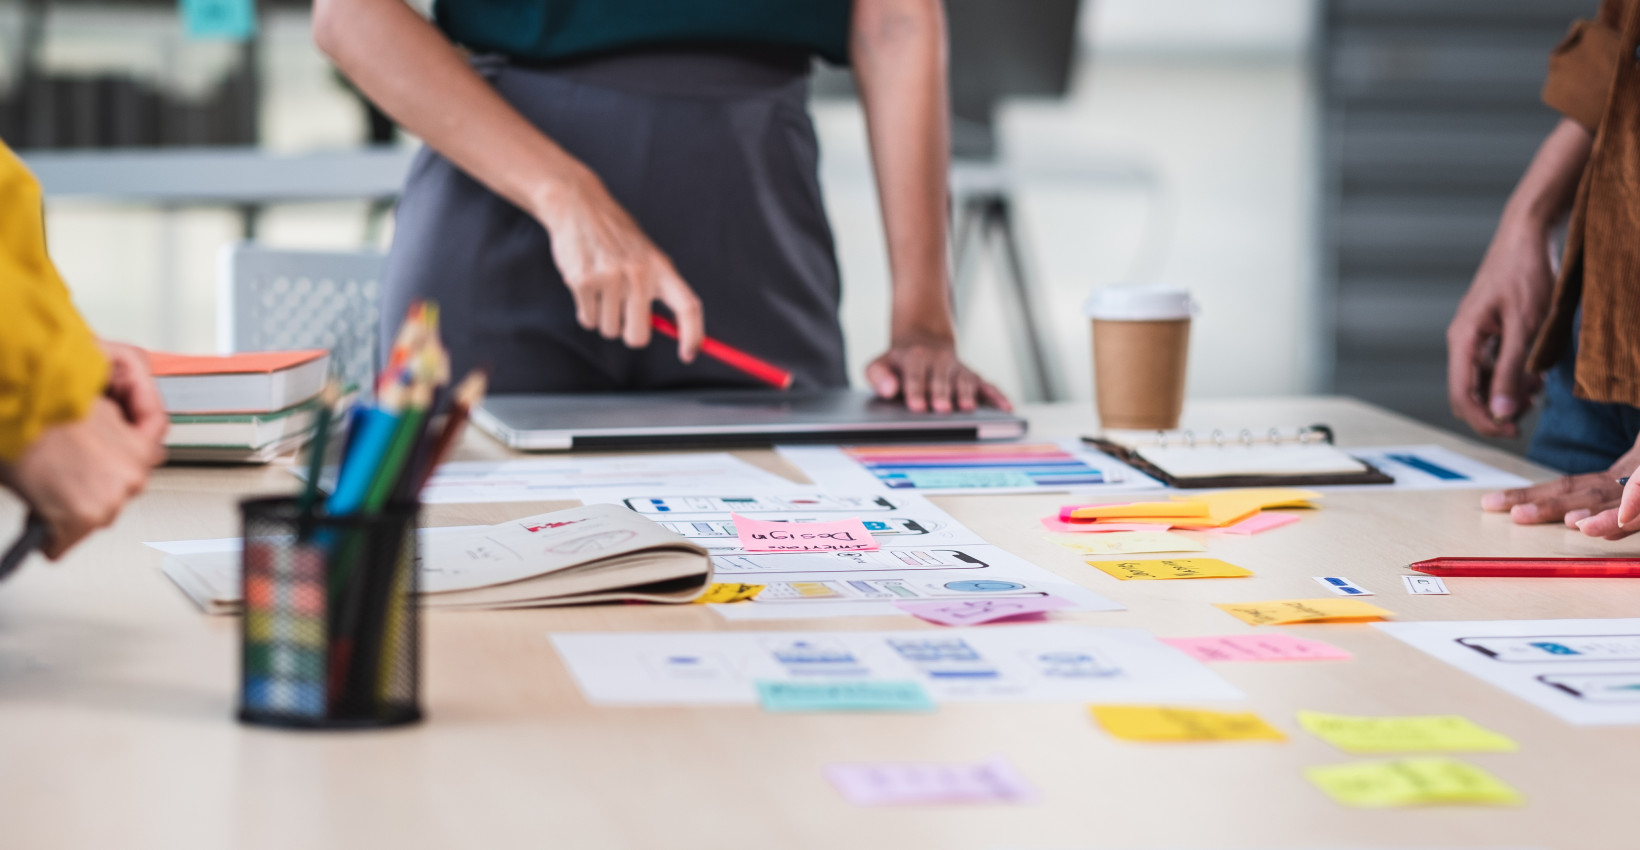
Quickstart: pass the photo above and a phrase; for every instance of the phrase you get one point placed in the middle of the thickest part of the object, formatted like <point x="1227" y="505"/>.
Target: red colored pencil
<point x="762" y="370"/>
<point x="1531" y="567"/>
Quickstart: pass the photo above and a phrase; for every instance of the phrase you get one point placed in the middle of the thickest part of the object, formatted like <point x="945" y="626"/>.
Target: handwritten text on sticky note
<point x="972" y="612"/>
<point x="1283" y="611"/>
<point x="1411" y="782"/>
<point x="1171" y="568"/>
<point x="844" y="696"/>
<point x="1433" y="733"/>
<point x="761" y="535"/>
<point x="994" y="781"/>
<point x="1165" y="723"/>
<point x="1266" y="647"/>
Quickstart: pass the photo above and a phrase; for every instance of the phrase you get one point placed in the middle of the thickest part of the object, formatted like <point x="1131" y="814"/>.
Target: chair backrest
<point x="271" y="300"/>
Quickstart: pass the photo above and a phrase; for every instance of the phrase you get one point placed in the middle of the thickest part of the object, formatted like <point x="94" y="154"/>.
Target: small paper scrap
<point x="1165" y="723"/>
<point x="1425" y="585"/>
<point x="1059" y="525"/>
<point x="1172" y="568"/>
<point x="994" y="781"/>
<point x="1266" y="647"/>
<point x="729" y="592"/>
<point x="1128" y="543"/>
<point x="1433" y="733"/>
<point x="844" y="696"/>
<point x="1412" y="782"/>
<point x="972" y="612"/>
<point x="1257" y="523"/>
<point x="1342" y="586"/>
<point x="1284" y="611"/>
<point x="845" y="535"/>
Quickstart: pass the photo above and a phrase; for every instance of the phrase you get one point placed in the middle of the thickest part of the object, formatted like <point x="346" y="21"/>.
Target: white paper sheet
<point x="1431" y="468"/>
<point x="983" y="664"/>
<point x="1585" y="672"/>
<point x="554" y="479"/>
<point x="832" y="469"/>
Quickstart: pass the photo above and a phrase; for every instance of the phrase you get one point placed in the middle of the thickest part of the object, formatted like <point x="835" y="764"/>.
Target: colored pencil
<point x="758" y="368"/>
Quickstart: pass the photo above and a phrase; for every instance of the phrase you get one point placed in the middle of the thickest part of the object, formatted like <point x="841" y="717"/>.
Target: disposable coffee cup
<point x="1141" y="340"/>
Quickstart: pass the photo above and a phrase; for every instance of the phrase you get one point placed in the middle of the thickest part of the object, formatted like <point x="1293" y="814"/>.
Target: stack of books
<point x="239" y="408"/>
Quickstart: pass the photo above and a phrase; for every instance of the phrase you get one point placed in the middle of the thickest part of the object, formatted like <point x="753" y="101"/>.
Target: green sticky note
<point x="1434" y="733"/>
<point x="221" y="20"/>
<point x="1412" y="782"/>
<point x="844" y="696"/>
<point x="979" y="479"/>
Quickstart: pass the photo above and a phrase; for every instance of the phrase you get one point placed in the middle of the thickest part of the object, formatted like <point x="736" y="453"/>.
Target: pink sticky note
<point x="845" y="535"/>
<point x="901" y="784"/>
<point x="972" y="612"/>
<point x="1261" y="647"/>
<point x="1262" y="521"/>
<point x="1053" y="524"/>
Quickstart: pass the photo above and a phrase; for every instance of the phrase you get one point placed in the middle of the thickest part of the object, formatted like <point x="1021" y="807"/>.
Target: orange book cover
<point x="167" y="365"/>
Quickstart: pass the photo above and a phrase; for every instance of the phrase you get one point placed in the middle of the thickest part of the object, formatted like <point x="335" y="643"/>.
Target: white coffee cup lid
<point x="1138" y="304"/>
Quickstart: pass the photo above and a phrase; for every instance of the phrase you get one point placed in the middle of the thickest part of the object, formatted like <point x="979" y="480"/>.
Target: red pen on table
<point x="1531" y="567"/>
<point x="762" y="370"/>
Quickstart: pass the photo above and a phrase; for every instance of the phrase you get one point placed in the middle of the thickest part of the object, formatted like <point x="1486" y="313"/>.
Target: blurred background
<point x="1323" y="175"/>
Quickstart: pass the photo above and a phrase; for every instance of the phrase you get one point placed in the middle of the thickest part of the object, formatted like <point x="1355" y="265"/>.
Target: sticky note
<point x="1128" y="543"/>
<point x="230" y="20"/>
<point x="1165" y="723"/>
<point x="1432" y="733"/>
<point x="993" y="781"/>
<point x="1411" y="782"/>
<point x="844" y="535"/>
<point x="1228" y="507"/>
<point x="1171" y="568"/>
<point x="844" y="696"/>
<point x="972" y="612"/>
<point x="1059" y="525"/>
<point x="1257" y="523"/>
<point x="1190" y="509"/>
<point x="1263" y="647"/>
<point x="1284" y="611"/>
<point x="730" y="592"/>
<point x="1425" y="585"/>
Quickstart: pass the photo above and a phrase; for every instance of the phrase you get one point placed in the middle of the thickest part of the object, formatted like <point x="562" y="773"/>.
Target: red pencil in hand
<point x="760" y="369"/>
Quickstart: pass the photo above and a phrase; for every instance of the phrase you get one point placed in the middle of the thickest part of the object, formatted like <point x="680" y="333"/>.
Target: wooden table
<point x="117" y="698"/>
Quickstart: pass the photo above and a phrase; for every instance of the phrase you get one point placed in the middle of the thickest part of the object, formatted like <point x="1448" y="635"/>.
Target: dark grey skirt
<point x="713" y="154"/>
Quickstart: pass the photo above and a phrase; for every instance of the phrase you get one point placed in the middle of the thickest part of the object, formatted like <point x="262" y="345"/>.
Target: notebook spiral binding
<point x="1246" y="437"/>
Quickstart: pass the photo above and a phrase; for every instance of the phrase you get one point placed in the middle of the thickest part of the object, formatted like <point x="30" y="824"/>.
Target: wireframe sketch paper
<point x="557" y="479"/>
<point x="987" y="664"/>
<point x="1585" y="672"/>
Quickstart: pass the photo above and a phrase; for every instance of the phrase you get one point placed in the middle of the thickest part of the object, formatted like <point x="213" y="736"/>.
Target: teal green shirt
<point x="565" y="29"/>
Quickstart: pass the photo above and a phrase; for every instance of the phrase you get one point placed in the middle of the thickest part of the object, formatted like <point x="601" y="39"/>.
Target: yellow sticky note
<point x="1171" y="568"/>
<point x="1191" y="509"/>
<point x="1165" y="723"/>
<point x="1283" y="611"/>
<point x="1412" y="782"/>
<point x="1127" y="543"/>
<point x="1228" y="507"/>
<point x="730" y="592"/>
<point x="1431" y="733"/>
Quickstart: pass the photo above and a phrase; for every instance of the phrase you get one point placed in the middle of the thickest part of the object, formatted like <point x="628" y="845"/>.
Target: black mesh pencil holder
<point x="331" y="632"/>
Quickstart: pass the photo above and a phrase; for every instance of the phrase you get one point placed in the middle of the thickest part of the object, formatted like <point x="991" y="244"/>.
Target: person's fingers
<point x="914" y="380"/>
<point x="635" y="322"/>
<point x="940" y="385"/>
<point x="612" y="306"/>
<point x="1505" y="403"/>
<point x="1505" y="499"/>
<point x="881" y="376"/>
<point x="1463" y="378"/>
<point x="1574" y="517"/>
<point x="686" y="313"/>
<point x="967" y="390"/>
<point x="1628" y="509"/>
<point x="989" y="394"/>
<point x="1604" y="526"/>
<point x="586" y="294"/>
<point x="1555" y="508"/>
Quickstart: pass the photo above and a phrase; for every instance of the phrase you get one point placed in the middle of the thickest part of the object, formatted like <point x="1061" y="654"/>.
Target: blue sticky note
<point x="844" y="696"/>
<point x="222" y="20"/>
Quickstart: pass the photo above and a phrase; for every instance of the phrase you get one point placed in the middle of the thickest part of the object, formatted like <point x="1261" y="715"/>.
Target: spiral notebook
<point x="1240" y="457"/>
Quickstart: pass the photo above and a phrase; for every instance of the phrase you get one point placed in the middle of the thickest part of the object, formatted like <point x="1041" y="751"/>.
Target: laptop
<point x="693" y="418"/>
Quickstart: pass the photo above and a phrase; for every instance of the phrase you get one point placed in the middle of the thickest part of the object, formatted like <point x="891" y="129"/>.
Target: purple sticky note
<point x="1261" y="647"/>
<point x="972" y="612"/>
<point x="903" y="784"/>
<point x="1262" y="521"/>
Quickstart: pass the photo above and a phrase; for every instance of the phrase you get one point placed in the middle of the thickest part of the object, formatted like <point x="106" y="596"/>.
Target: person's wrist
<point x="556" y="192"/>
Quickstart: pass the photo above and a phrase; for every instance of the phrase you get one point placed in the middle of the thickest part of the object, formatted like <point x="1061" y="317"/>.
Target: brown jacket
<point x="1594" y="79"/>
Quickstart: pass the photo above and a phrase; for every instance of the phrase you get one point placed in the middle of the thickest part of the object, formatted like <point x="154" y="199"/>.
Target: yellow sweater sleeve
<point x="51" y="368"/>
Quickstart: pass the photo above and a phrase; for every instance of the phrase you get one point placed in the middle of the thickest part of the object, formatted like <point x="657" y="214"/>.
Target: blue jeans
<point x="1577" y="436"/>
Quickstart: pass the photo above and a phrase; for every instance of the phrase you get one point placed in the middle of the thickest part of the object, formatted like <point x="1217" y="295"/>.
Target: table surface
<point x="117" y="699"/>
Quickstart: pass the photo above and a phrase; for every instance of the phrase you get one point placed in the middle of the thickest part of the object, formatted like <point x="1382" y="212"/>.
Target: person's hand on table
<point x="614" y="271"/>
<point x="77" y="475"/>
<point x="1571" y="499"/>
<point x="1488" y="340"/>
<point x="926" y="373"/>
<point x="1613" y="523"/>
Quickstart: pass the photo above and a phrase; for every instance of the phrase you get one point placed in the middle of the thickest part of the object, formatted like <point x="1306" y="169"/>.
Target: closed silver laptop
<point x="724" y="417"/>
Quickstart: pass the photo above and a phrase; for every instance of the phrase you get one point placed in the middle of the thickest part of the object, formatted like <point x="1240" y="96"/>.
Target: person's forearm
<point x="1546" y="190"/>
<point x="413" y="73"/>
<point x="898" y="51"/>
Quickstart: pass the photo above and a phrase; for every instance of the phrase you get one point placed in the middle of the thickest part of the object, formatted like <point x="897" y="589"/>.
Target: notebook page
<point x="1210" y="460"/>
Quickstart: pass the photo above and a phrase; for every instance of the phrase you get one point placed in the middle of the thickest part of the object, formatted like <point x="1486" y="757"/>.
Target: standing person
<point x="81" y="422"/>
<point x="596" y="156"/>
<point x="1519" y="320"/>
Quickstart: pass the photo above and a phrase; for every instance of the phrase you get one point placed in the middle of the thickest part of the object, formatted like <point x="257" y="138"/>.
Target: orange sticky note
<point x="1140" y="509"/>
<point x="761" y="535"/>
<point x="1283" y="611"/>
